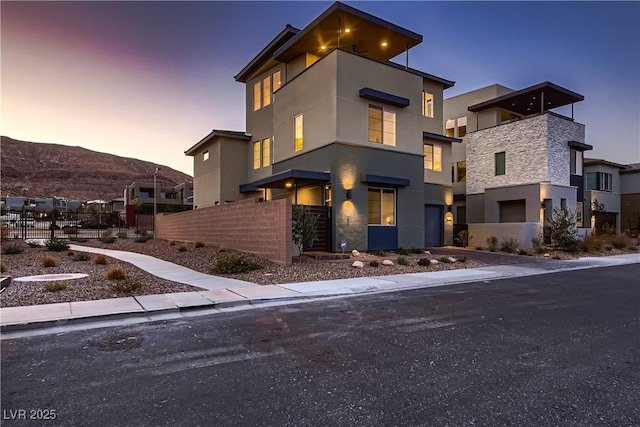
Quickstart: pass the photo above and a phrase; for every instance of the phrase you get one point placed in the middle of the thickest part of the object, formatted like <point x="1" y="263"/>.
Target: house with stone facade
<point x="333" y="123"/>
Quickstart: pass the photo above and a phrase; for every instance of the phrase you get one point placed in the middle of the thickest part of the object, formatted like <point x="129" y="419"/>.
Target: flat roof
<point x="528" y="101"/>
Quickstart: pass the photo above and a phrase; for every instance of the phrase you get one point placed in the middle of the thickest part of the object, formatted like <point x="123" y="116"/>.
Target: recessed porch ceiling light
<point x="347" y="30"/>
<point x="288" y="185"/>
<point x="323" y="47"/>
<point x="533" y="97"/>
<point x="385" y="44"/>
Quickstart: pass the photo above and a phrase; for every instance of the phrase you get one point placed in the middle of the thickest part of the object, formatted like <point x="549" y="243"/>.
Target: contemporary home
<point x="518" y="161"/>
<point x="333" y="123"/>
<point x="171" y="198"/>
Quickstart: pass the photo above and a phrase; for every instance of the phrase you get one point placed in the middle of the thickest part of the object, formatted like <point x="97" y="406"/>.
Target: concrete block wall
<point x="523" y="232"/>
<point x="263" y="229"/>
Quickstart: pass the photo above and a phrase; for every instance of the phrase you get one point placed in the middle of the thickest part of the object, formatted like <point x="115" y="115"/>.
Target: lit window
<point x="266" y="152"/>
<point x="500" y="165"/>
<point x="205" y="156"/>
<point x="298" y="133"/>
<point x="256" y="155"/>
<point x="266" y="91"/>
<point x="576" y="162"/>
<point x="433" y="157"/>
<point x="256" y="96"/>
<point x="450" y="128"/>
<point x="427" y="104"/>
<point x="277" y="82"/>
<point x="382" y="125"/>
<point x="462" y="127"/>
<point x="381" y="206"/>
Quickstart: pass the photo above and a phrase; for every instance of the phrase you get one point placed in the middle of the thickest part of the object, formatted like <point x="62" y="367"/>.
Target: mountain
<point x="45" y="170"/>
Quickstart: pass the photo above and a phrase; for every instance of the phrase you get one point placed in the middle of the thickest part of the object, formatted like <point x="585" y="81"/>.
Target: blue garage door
<point x="433" y="225"/>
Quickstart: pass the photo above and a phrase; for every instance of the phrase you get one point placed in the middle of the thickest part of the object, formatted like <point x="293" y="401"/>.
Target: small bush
<point x="127" y="286"/>
<point x="401" y="251"/>
<point x="222" y="250"/>
<point x="116" y="273"/>
<point x="55" y="287"/>
<point x="78" y="239"/>
<point x="101" y="259"/>
<point x="608" y="247"/>
<point x="122" y="235"/>
<point x="34" y="244"/>
<point x="538" y="247"/>
<point x="522" y="252"/>
<point x="509" y="245"/>
<point x="83" y="256"/>
<point x="416" y="250"/>
<point x="562" y="230"/>
<point x="3" y="268"/>
<point x="108" y="239"/>
<point x="463" y="238"/>
<point x="620" y="241"/>
<point x="56" y="245"/>
<point x="143" y="237"/>
<point x="378" y="252"/>
<point x="234" y="264"/>
<point x="591" y="243"/>
<point x="12" y="249"/>
<point x="444" y="259"/>
<point x="374" y="263"/>
<point x="424" y="262"/>
<point x="633" y="248"/>
<point x="402" y="260"/>
<point x="492" y="243"/>
<point x="198" y="244"/>
<point x="70" y="253"/>
<point x="172" y="243"/>
<point x="479" y="248"/>
<point x="49" y="262"/>
<point x="182" y="248"/>
<point x="462" y="259"/>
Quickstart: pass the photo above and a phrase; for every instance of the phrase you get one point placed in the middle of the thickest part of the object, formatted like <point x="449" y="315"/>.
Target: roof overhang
<point x="391" y="181"/>
<point x="429" y="135"/>
<point x="287" y="179"/>
<point x="580" y="146"/>
<point x="216" y="133"/>
<point x="387" y="98"/>
<point x="532" y="100"/>
<point x="367" y="34"/>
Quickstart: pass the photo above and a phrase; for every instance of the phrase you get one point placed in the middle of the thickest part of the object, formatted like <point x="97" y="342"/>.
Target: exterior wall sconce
<point x="449" y="208"/>
<point x="448" y="217"/>
<point x="348" y="195"/>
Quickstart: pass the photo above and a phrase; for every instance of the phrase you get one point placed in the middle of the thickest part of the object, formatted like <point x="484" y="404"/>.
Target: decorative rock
<point x="451" y="259"/>
<point x="387" y="262"/>
<point x="546" y="255"/>
<point x="357" y="264"/>
<point x="434" y="261"/>
<point x="355" y="253"/>
<point x="427" y="252"/>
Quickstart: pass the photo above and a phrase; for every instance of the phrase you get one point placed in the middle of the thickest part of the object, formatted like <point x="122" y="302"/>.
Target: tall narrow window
<point x="381" y="206"/>
<point x="205" y="156"/>
<point x="579" y="207"/>
<point x="277" y="81"/>
<point x="461" y="168"/>
<point x="389" y="127"/>
<point x="428" y="156"/>
<point x="256" y="96"/>
<point x="500" y="165"/>
<point x="266" y="152"/>
<point x="266" y="91"/>
<point x="450" y="128"/>
<point x="427" y="104"/>
<point x="433" y="157"/>
<point x="462" y="126"/>
<point x="256" y="155"/>
<point x="575" y="162"/>
<point x="382" y="125"/>
<point x="298" y="133"/>
<point x="375" y="124"/>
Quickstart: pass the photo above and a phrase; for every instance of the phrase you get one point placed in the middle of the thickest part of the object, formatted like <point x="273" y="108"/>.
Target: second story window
<point x="257" y="96"/>
<point x="205" y="156"/>
<point x="382" y="125"/>
<point x="461" y="171"/>
<point x="575" y="158"/>
<point x="256" y="155"/>
<point x="462" y="126"/>
<point x="298" y="133"/>
<point x="266" y="152"/>
<point x="427" y="104"/>
<point x="450" y="128"/>
<point x="263" y="90"/>
<point x="433" y="157"/>
<point x="600" y="181"/>
<point x="500" y="163"/>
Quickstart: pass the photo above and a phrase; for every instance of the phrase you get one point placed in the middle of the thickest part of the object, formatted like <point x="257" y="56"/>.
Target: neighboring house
<point x="518" y="161"/>
<point x="603" y="187"/>
<point x="333" y="123"/>
<point x="630" y="198"/>
<point x="169" y="198"/>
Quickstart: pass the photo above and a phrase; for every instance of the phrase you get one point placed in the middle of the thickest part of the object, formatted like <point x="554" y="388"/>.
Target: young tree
<point x="562" y="230"/>
<point x="304" y="231"/>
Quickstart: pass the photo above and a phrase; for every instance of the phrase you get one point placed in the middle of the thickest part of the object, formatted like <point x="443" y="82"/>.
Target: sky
<point x="148" y="80"/>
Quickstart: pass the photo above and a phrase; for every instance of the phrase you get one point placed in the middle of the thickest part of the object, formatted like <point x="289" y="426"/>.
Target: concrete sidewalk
<point x="238" y="294"/>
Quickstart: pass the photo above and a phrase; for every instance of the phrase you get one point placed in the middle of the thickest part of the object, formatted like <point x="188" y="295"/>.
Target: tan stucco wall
<point x="206" y="181"/>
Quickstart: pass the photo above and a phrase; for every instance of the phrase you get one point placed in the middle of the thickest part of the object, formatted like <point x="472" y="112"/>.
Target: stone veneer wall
<point x="536" y="150"/>
<point x="263" y="229"/>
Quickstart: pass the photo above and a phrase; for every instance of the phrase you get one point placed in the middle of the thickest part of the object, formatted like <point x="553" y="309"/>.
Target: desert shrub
<point x="620" y="241"/>
<point x="416" y="250"/>
<point x="198" y="244"/>
<point x="633" y="248"/>
<point x="463" y="238"/>
<point x="12" y="249"/>
<point x="522" y="252"/>
<point x="116" y="273"/>
<point x="591" y="243"/>
<point x="70" y="253"/>
<point x="562" y="230"/>
<point x="234" y="264"/>
<point x="374" y="263"/>
<point x="3" y="268"/>
<point x="462" y="259"/>
<point x="509" y="245"/>
<point x="222" y="250"/>
<point x="182" y="248"/>
<point x="4" y="232"/>
<point x="444" y="259"/>
<point x="127" y="286"/>
<point x="402" y="251"/>
<point x="49" y="262"/>
<point x="538" y="247"/>
<point x="608" y="247"/>
<point x="378" y="252"/>
<point x="122" y="235"/>
<point x="55" y="287"/>
<point x="479" y="248"/>
<point x="107" y="237"/>
<point x="82" y="256"/>
<point x="56" y="245"/>
<point x="424" y="262"/>
<point x="492" y="243"/>
<point x="402" y="260"/>
<point x="34" y="243"/>
<point x="78" y="239"/>
<point x="172" y="243"/>
<point x="101" y="259"/>
<point x="143" y="237"/>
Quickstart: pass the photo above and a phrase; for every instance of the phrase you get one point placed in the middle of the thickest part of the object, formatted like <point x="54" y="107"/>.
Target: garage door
<point x="433" y="225"/>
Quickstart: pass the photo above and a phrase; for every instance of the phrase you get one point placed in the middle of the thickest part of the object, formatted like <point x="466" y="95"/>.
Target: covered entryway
<point x="433" y="225"/>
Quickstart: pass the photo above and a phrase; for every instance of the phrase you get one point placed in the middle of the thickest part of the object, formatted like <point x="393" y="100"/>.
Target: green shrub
<point x="416" y="250"/>
<point x="122" y="235"/>
<point x="198" y="244"/>
<point x="378" y="252"/>
<point x="127" y="286"/>
<point x="562" y="230"/>
<point x="424" y="262"/>
<point x="509" y="245"/>
<point x="108" y="239"/>
<point x="116" y="273"/>
<point x="82" y="256"/>
<point x="401" y="251"/>
<point x="462" y="259"/>
<point x="55" y="287"/>
<point x="56" y="245"/>
<point x="444" y="259"/>
<point x="34" y="243"/>
<point x="12" y="249"/>
<point x="49" y="262"/>
<point x="402" y="260"/>
<point x="538" y="247"/>
<point x="234" y="264"/>
<point x="374" y="263"/>
<point x="492" y="243"/>
<point x="522" y="252"/>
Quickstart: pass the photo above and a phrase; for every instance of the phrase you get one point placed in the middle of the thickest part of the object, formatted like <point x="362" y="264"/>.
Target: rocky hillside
<point x="44" y="170"/>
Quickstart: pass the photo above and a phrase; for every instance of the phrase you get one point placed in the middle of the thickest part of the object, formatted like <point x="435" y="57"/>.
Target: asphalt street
<point x="552" y="350"/>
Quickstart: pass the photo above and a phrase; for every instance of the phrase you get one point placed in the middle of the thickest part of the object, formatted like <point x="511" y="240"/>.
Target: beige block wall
<point x="263" y="229"/>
